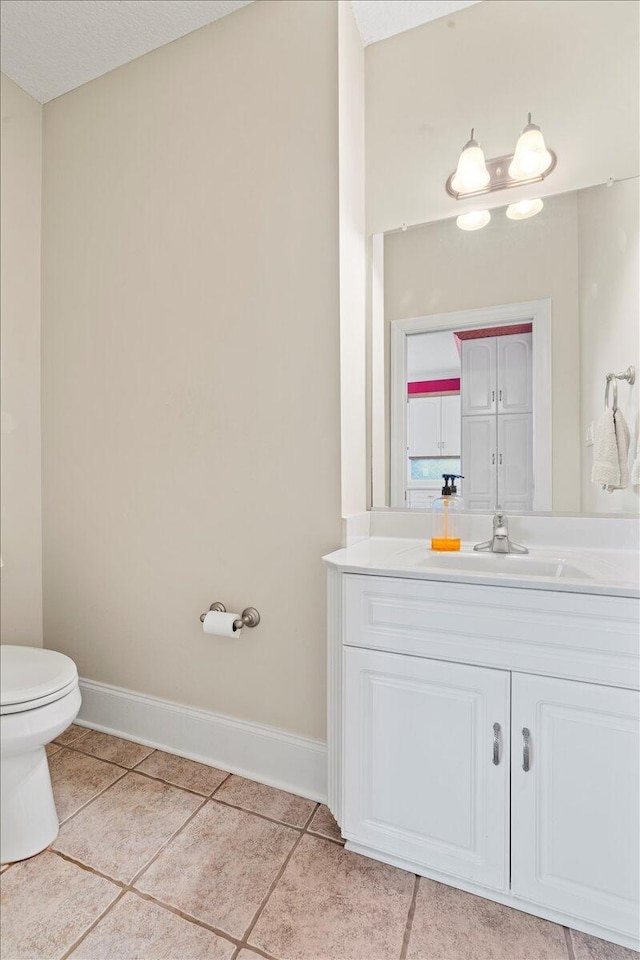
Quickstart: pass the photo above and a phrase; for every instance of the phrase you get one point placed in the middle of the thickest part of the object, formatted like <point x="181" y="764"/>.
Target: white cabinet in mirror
<point x="496" y="348"/>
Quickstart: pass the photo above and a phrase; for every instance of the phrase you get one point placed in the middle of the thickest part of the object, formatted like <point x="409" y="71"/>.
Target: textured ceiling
<point x="379" y="19"/>
<point x="52" y="46"/>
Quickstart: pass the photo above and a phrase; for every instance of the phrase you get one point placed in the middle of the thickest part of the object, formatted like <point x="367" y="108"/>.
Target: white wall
<point x="574" y="63"/>
<point x="352" y="264"/>
<point x="191" y="367"/>
<point x="21" y="167"/>
<point x="609" y="325"/>
<point x="438" y="268"/>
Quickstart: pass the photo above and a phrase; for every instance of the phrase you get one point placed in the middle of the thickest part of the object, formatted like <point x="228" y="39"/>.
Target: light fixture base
<point x="499" y="177"/>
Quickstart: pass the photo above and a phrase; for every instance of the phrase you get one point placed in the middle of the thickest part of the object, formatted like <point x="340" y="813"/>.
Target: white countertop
<point x="606" y="572"/>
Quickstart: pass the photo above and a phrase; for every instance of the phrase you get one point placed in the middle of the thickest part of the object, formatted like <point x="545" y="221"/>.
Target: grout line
<point x="186" y="916"/>
<point x="164" y="846"/>
<point x="215" y="789"/>
<point x="79" y="737"/>
<point x="569" y="943"/>
<point x="307" y="823"/>
<point x="274" y="884"/>
<point x="410" y="915"/>
<point x="87" y="868"/>
<point x="92" y="926"/>
<point x="263" y="816"/>
<point x="82" y="807"/>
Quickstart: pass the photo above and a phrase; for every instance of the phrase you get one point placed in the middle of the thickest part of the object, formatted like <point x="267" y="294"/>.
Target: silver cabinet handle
<point x="526" y="749"/>
<point x="500" y="395"/>
<point x="497" y="737"/>
<point x="500" y="459"/>
<point x="493" y="459"/>
<point x="493" y="395"/>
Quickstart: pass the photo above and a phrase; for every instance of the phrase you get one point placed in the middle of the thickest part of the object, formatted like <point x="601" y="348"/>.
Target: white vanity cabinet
<point x="489" y="737"/>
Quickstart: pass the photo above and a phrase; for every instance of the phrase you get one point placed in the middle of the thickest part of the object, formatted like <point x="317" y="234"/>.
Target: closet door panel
<point x="515" y="461"/>
<point x="450" y="438"/>
<point x="423" y="433"/>
<point x="515" y="376"/>
<point x="479" y="462"/>
<point x="478" y="376"/>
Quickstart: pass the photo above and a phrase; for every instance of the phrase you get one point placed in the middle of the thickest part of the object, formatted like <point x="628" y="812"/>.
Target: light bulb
<point x="524" y="209"/>
<point x="475" y="220"/>
<point x="531" y="158"/>
<point x="471" y="173"/>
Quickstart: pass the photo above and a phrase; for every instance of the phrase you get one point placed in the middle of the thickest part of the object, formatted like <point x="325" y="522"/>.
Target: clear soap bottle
<point x="445" y="511"/>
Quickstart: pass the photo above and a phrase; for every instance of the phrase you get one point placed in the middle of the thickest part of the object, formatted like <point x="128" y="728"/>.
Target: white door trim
<point x="537" y="312"/>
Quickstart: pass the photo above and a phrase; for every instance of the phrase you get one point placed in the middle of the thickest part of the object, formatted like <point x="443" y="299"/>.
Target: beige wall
<point x="609" y="328"/>
<point x="574" y="64"/>
<point x="352" y="264"/>
<point x="21" y="611"/>
<point x="191" y="418"/>
<point x="439" y="268"/>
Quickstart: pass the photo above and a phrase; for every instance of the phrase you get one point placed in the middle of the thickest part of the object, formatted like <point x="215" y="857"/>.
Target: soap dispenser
<point x="445" y="510"/>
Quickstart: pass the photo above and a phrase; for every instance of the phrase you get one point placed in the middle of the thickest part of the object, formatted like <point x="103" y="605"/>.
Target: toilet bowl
<point x="39" y="698"/>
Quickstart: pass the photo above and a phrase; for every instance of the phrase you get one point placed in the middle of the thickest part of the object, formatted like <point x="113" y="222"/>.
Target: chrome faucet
<point x="500" y="542"/>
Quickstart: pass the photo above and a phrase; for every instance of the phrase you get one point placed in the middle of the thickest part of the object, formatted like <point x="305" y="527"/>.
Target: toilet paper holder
<point x="248" y="618"/>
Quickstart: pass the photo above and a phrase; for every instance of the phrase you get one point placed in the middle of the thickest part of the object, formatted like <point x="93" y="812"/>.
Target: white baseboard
<point x="262" y="753"/>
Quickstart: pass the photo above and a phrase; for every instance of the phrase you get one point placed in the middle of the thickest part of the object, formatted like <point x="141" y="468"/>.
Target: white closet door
<point x="423" y="426"/>
<point x="450" y="437"/>
<point x="479" y="462"/>
<point x="423" y="778"/>
<point x="515" y="461"/>
<point x="478" y="378"/>
<point x="575" y="836"/>
<point x="515" y="373"/>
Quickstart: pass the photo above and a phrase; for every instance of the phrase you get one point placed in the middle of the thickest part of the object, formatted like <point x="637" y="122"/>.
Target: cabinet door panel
<point x="420" y="781"/>
<point x="451" y="427"/>
<point x="575" y="836"/>
<point x="515" y="461"/>
<point x="424" y="426"/>
<point x="478" y="376"/>
<point x="478" y="465"/>
<point x="515" y="373"/>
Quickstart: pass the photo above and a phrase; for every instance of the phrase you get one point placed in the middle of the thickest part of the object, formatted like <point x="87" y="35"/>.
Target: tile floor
<point x="161" y="858"/>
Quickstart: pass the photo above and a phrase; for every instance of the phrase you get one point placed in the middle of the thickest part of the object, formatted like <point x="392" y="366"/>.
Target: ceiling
<point x="49" y="48"/>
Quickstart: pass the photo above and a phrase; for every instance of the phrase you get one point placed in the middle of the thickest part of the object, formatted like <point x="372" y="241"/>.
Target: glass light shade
<point x="524" y="209"/>
<point x="531" y="158"/>
<point x="475" y="220"/>
<point x="471" y="173"/>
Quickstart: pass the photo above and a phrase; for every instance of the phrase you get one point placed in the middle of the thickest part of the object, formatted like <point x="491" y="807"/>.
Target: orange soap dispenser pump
<point x="445" y="510"/>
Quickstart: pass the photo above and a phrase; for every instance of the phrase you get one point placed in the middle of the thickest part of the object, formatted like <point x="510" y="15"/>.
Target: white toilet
<point x="39" y="698"/>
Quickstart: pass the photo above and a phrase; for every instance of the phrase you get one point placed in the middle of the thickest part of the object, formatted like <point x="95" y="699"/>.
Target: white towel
<point x="635" y="469"/>
<point x="611" y="451"/>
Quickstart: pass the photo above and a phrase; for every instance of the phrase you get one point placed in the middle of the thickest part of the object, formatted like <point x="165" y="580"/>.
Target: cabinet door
<point x="423" y="426"/>
<point x="515" y="461"/>
<point x="575" y="837"/>
<point x="478" y="376"/>
<point x="478" y="465"/>
<point x="450" y="437"/>
<point x="515" y="373"/>
<point x="422" y="780"/>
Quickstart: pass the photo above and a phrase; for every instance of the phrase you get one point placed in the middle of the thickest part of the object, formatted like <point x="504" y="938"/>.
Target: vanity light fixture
<point x="475" y="220"/>
<point x="524" y="209"/>
<point x="474" y="176"/>
<point x="531" y="159"/>
<point x="471" y="173"/>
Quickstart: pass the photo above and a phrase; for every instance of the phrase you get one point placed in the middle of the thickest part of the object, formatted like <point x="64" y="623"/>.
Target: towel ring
<point x="611" y="380"/>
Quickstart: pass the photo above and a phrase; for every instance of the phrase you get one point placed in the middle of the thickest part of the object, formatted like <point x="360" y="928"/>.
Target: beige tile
<point x="268" y="801"/>
<point x="183" y="773"/>
<point x="592" y="948"/>
<point x="333" y="904"/>
<point x="47" y="903"/>
<point x="76" y="779"/>
<point x="124" y="827"/>
<point x="115" y="749"/>
<point x="249" y="955"/>
<point x="136" y="929"/>
<point x="71" y="734"/>
<point x="220" y="867"/>
<point x="323" y="823"/>
<point x="449" y="923"/>
<point x="52" y="748"/>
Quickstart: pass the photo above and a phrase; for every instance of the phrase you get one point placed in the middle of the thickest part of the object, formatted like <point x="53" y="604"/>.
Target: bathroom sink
<point x="509" y="564"/>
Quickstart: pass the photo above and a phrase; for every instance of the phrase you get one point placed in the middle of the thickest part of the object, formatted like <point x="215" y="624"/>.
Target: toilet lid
<point x="29" y="673"/>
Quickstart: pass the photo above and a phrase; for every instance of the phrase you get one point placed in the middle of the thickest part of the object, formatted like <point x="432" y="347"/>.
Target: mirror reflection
<point x="498" y="345"/>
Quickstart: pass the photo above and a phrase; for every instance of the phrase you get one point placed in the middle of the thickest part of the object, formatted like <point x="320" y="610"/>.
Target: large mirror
<point x="497" y="346"/>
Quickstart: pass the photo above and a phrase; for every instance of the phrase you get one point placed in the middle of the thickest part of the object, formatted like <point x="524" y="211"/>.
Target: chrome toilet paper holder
<point x="248" y="618"/>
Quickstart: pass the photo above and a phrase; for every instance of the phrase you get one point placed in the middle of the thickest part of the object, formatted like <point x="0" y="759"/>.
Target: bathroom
<point x="221" y="224"/>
